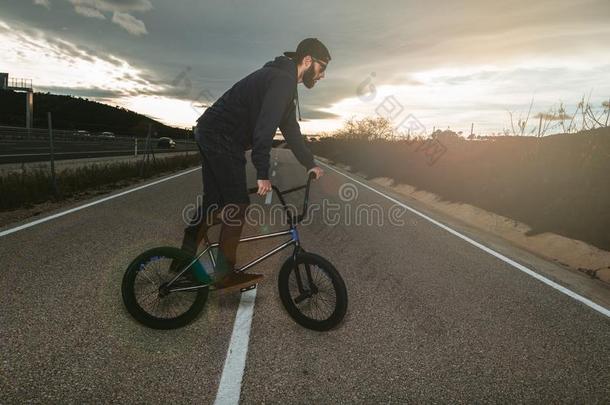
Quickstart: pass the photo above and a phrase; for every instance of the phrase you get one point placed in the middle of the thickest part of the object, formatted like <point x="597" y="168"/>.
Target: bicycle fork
<point x="304" y="293"/>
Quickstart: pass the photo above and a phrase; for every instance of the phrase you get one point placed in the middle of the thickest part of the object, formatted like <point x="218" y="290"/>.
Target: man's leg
<point x="205" y="214"/>
<point x="234" y="190"/>
<point x="233" y="218"/>
<point x="224" y="183"/>
<point x="197" y="228"/>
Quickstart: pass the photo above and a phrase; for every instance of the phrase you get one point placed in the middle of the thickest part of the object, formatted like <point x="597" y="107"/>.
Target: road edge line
<point x="89" y="204"/>
<point x="539" y="277"/>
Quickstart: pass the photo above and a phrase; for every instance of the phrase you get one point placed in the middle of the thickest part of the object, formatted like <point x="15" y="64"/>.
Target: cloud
<point x="115" y="5"/>
<point x="64" y="67"/>
<point x="61" y="64"/>
<point x="129" y="23"/>
<point x="120" y="10"/>
<point x="310" y="114"/>
<point x="553" y="116"/>
<point x="448" y="63"/>
<point x="89" y="12"/>
<point x="44" y="3"/>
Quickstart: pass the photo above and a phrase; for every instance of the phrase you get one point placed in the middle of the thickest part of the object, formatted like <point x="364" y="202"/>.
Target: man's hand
<point x="264" y="186"/>
<point x="317" y="171"/>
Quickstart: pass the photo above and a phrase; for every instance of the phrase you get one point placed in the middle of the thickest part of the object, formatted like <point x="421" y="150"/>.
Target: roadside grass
<point x="25" y="189"/>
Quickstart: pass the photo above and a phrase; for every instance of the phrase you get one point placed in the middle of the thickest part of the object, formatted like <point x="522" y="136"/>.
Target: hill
<point x="76" y="113"/>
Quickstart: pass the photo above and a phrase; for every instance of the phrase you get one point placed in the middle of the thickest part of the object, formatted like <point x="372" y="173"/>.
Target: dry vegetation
<point x="557" y="183"/>
<point x="22" y="190"/>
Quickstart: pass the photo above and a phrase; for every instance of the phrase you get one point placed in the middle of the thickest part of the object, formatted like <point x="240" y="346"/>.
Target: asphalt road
<point x="431" y="317"/>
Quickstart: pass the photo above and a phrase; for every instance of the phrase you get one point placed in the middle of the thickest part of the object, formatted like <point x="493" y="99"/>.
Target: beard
<point x="308" y="76"/>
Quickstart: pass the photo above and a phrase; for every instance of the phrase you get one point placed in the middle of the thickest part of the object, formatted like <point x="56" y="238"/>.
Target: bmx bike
<point x="310" y="288"/>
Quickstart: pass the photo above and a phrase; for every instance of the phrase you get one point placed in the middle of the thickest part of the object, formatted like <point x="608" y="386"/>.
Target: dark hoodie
<point x="249" y="113"/>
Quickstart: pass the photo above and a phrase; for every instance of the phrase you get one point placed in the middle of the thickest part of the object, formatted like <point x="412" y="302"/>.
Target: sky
<point x="426" y="65"/>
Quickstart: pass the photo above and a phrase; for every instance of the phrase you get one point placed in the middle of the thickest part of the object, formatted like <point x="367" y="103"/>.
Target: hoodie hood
<point x="283" y="63"/>
<point x="288" y="65"/>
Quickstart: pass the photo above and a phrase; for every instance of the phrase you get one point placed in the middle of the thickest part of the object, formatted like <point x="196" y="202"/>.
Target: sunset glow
<point x="477" y="77"/>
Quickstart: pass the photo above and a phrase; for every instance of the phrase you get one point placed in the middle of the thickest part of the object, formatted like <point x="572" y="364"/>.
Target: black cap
<point x="310" y="46"/>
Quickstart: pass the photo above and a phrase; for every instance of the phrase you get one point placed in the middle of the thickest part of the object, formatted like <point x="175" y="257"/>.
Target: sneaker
<point x="237" y="281"/>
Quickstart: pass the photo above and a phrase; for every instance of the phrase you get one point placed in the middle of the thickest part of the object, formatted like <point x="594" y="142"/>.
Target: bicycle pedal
<point x="252" y="287"/>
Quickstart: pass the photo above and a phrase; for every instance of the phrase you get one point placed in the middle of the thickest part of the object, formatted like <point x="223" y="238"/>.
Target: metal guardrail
<point x="18" y="144"/>
<point x="21" y="133"/>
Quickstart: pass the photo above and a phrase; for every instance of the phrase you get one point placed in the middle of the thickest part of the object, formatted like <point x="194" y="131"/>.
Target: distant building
<point x="3" y="81"/>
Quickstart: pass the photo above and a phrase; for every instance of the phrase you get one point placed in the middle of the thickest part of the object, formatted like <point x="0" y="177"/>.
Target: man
<point x="247" y="116"/>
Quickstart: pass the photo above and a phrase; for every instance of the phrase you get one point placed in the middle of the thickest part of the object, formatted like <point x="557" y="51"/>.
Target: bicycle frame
<point x="292" y="231"/>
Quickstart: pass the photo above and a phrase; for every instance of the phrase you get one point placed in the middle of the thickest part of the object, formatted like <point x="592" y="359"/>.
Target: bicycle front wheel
<point x="312" y="292"/>
<point x="149" y="302"/>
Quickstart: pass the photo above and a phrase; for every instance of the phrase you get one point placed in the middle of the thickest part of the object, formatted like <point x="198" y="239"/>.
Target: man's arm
<point x="278" y="96"/>
<point x="292" y="133"/>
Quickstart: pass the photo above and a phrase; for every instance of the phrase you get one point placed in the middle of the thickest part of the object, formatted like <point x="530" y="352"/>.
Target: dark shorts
<point x="223" y="169"/>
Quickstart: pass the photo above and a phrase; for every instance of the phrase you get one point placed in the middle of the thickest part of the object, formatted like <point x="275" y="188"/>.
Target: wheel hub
<point x="163" y="290"/>
<point x="303" y="296"/>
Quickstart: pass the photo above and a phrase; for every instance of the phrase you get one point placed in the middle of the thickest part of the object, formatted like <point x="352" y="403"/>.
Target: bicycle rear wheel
<point x="144" y="295"/>
<point x="312" y="292"/>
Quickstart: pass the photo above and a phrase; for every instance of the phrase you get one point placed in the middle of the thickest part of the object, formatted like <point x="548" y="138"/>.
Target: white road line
<point x="101" y="200"/>
<point x="500" y="256"/>
<point x="229" y="389"/>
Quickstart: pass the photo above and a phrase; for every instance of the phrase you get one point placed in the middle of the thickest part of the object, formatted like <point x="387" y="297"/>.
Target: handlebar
<point x="281" y="195"/>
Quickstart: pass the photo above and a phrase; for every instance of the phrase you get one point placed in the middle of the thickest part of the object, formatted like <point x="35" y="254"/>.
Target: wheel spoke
<point x="170" y="306"/>
<point x="320" y="306"/>
<point x="146" y="276"/>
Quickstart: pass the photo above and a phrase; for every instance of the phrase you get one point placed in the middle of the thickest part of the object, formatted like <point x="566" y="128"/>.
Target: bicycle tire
<point x="128" y="289"/>
<point x="329" y="272"/>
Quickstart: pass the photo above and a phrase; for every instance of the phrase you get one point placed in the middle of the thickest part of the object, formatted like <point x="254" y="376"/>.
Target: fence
<point x="37" y="165"/>
<point x="21" y="145"/>
<point x="21" y="84"/>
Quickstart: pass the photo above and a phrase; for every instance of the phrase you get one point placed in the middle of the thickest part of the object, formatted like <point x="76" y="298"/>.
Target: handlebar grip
<point x="280" y="194"/>
<point x="254" y="190"/>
